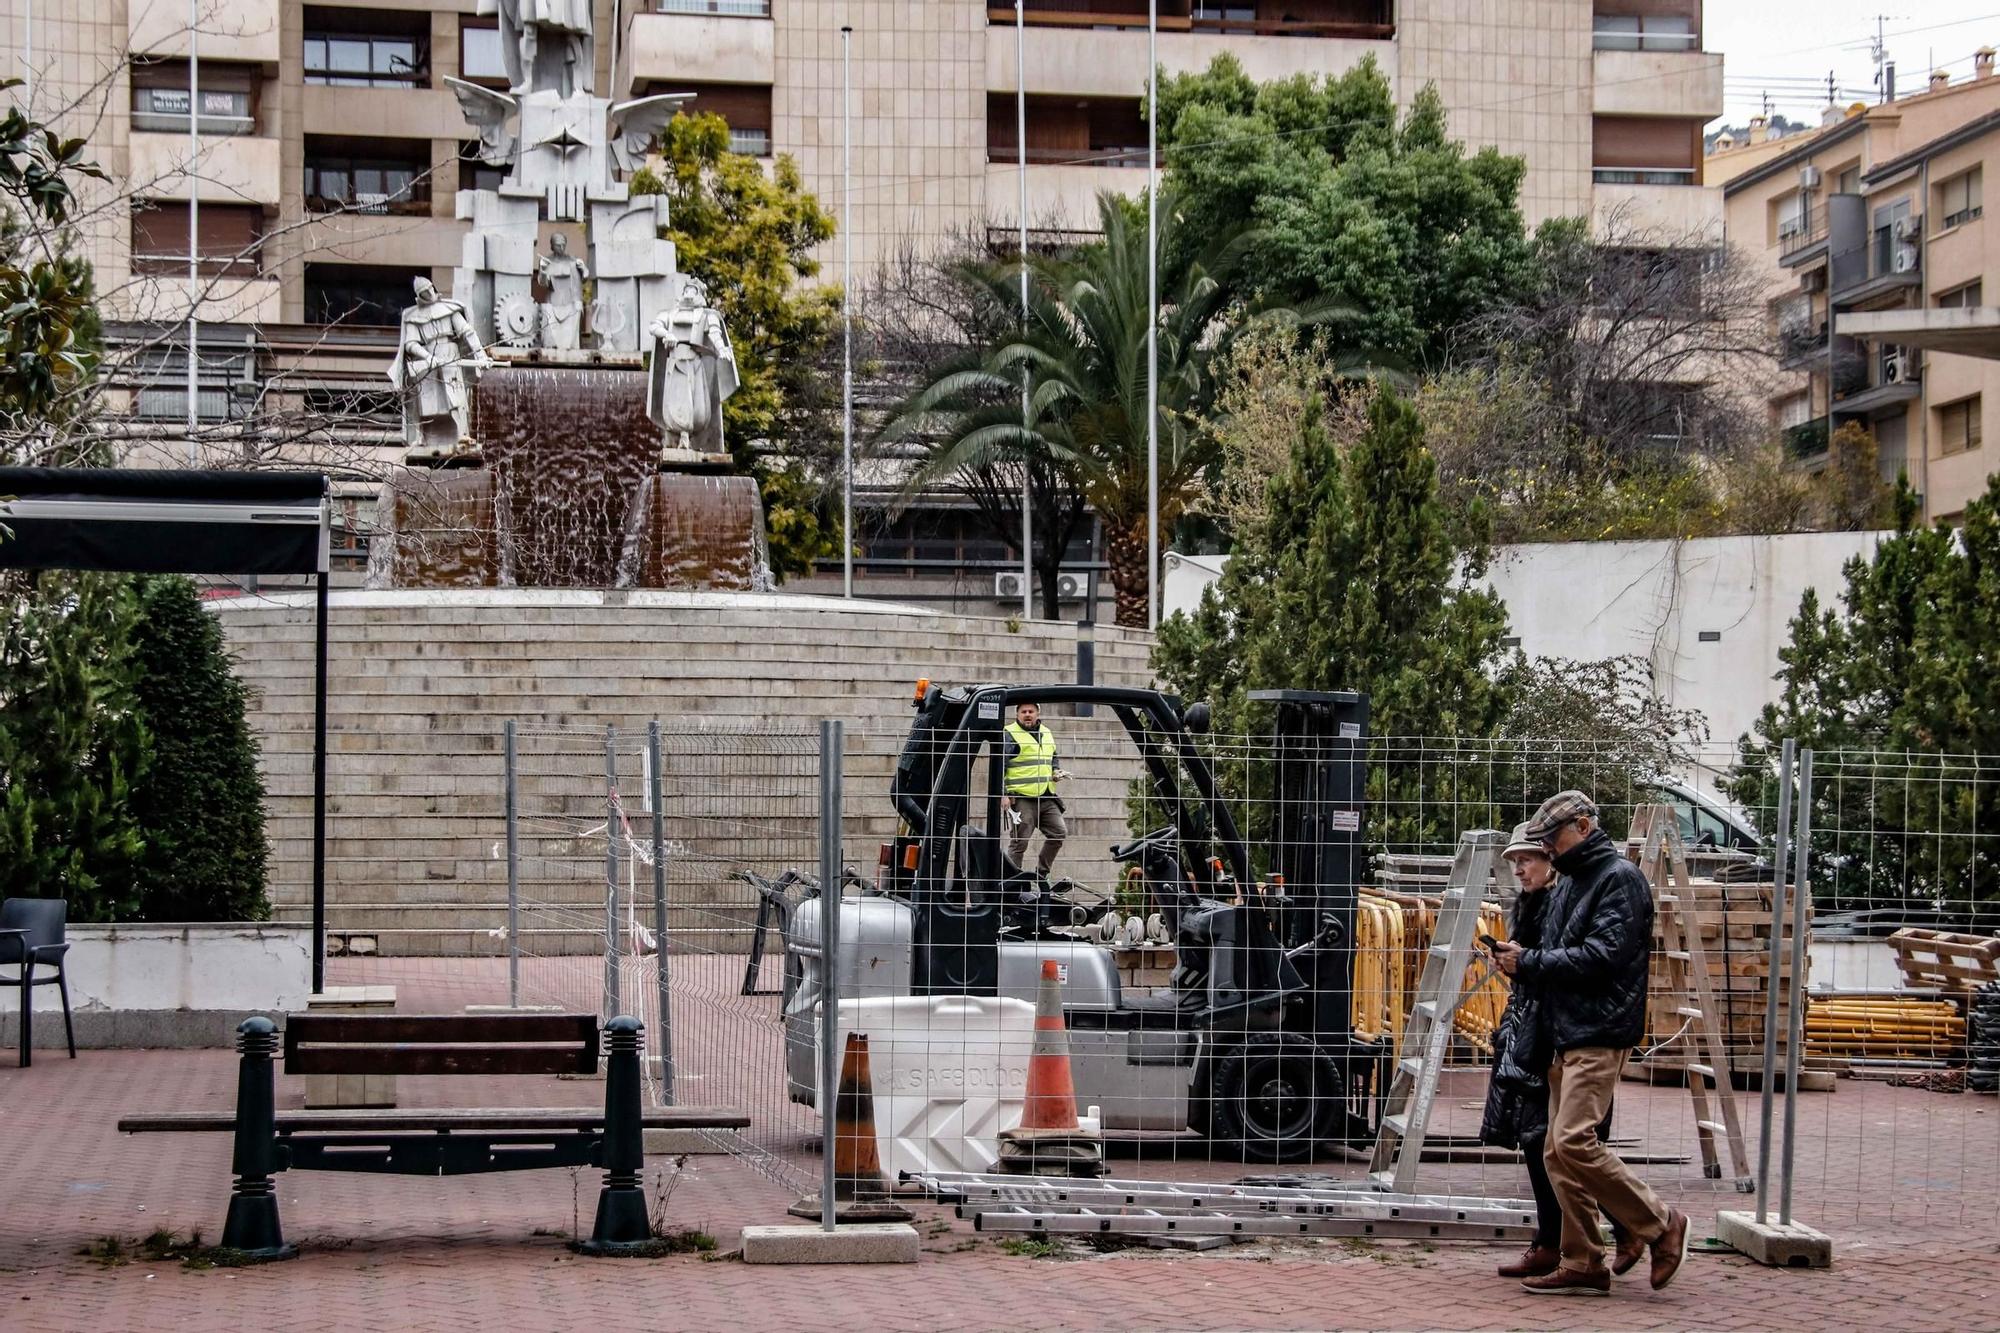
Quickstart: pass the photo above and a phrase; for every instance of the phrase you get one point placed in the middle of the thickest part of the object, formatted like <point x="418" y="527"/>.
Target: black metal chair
<point x="31" y="938"/>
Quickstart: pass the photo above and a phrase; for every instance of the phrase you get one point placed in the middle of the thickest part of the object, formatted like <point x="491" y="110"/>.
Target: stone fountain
<point x="573" y="440"/>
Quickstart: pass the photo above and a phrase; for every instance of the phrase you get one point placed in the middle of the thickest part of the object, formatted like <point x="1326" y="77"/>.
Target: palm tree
<point x="1083" y="350"/>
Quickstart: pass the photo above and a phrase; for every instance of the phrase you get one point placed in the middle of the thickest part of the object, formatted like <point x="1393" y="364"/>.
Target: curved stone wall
<point x="421" y="685"/>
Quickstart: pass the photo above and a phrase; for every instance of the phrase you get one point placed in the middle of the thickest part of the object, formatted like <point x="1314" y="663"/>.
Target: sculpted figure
<point x="692" y="374"/>
<point x="436" y="350"/>
<point x="562" y="314"/>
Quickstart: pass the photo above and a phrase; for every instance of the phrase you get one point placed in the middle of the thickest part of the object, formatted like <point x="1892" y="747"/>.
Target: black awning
<point x="163" y="521"/>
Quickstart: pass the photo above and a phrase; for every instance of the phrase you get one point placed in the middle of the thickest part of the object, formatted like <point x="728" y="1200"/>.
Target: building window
<point x="735" y="9"/>
<point x="229" y="238"/>
<point x="1084" y="132"/>
<point x="367" y="48"/>
<point x="1848" y="182"/>
<point x="367" y="175"/>
<point x="1645" y="150"/>
<point x="1959" y="200"/>
<point x="1795" y="410"/>
<point x="474" y="172"/>
<point x="1962" y="298"/>
<point x="1959" y="426"/>
<point x="745" y="107"/>
<point x="479" y="56"/>
<point x="1652" y="32"/>
<point x="358" y="294"/>
<point x="223" y="390"/>
<point x="160" y="97"/>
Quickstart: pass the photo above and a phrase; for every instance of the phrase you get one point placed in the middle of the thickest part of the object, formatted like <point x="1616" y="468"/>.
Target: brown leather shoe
<point x="1535" y="1261"/>
<point x="1571" y="1282"/>
<point x="1630" y="1250"/>
<point x="1670" y="1251"/>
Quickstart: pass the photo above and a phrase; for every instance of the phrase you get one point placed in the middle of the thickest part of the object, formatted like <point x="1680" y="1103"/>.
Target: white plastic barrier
<point x="949" y="1073"/>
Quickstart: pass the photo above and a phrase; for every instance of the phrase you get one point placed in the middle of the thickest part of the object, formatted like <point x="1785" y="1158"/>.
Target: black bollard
<point x="622" y="1225"/>
<point x="252" y="1224"/>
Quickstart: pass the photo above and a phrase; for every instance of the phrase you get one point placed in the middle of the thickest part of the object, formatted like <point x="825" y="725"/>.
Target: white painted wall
<point x="1653" y="599"/>
<point x="242" y="968"/>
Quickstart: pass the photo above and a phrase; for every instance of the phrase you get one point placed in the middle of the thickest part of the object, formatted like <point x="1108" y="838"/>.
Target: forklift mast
<point x="1319" y="755"/>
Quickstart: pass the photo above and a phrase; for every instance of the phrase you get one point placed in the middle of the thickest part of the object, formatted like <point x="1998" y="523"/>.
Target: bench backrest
<point x="441" y="1044"/>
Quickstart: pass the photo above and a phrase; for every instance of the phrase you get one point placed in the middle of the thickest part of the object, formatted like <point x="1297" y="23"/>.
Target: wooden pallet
<point x="1941" y="960"/>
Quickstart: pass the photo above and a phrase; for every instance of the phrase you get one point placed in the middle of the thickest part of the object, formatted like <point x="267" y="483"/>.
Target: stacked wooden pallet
<point x="1861" y="1027"/>
<point x="1942" y="960"/>
<point x="1735" y="925"/>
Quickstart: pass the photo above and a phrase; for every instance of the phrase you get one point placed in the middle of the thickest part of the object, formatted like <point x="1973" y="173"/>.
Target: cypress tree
<point x="72" y="743"/>
<point x="201" y="804"/>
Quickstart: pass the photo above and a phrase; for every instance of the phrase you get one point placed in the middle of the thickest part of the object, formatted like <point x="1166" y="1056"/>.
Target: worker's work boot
<point x="1535" y="1261"/>
<point x="1571" y="1282"/>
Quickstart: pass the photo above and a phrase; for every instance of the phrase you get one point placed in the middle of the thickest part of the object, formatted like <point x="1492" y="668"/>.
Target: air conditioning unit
<point x="1809" y="178"/>
<point x="1071" y="587"/>
<point x="1905" y="260"/>
<point x="1813" y="280"/>
<point x="1007" y="586"/>
<point x="1898" y="368"/>
<point x="1910" y="229"/>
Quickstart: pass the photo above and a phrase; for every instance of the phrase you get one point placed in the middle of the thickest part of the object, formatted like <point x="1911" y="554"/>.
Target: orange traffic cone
<point x="1049" y="1140"/>
<point x="859" y="1191"/>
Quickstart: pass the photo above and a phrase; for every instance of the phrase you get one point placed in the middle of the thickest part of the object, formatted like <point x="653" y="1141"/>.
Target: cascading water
<point x="568" y="496"/>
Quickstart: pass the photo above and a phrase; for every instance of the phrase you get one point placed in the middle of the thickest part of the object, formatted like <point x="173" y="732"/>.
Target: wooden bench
<point x="445" y="1142"/>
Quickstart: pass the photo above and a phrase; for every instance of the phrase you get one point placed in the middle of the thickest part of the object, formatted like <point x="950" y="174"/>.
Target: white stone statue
<point x="692" y="373"/>
<point x="562" y="314"/>
<point x="546" y="43"/>
<point x="436" y="349"/>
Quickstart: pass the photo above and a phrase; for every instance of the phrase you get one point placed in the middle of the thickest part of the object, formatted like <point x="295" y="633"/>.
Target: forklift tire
<point x="1270" y="1099"/>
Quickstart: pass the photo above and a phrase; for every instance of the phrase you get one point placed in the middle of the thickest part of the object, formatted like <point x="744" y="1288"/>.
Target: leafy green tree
<point x="749" y="234"/>
<point x="1084" y="348"/>
<point x="1355" y="582"/>
<point x="200" y="804"/>
<point x="1895" y="688"/>
<point x="1391" y="220"/>
<point x="72" y="743"/>
<point x="48" y="316"/>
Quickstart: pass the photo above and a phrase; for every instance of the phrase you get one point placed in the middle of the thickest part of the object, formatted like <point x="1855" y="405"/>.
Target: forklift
<point x="1251" y="1046"/>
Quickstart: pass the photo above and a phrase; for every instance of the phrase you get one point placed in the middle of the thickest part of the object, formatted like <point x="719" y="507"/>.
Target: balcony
<point x="1805" y="441"/>
<point x="1879" y="275"/>
<point x="1681" y="83"/>
<point x="1802" y="240"/>
<point x="1664" y="204"/>
<point x="1062" y="199"/>
<point x="242" y="30"/>
<point x="237" y="169"/>
<point x="1801" y="346"/>
<point x="714" y="41"/>
<point x="1110" y="61"/>
<point x="1364" y="20"/>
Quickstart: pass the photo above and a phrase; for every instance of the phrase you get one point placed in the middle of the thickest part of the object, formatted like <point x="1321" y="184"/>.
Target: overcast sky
<point x="1786" y="47"/>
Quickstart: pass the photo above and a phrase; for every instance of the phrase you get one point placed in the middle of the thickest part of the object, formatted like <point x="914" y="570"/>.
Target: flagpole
<point x="1153" y="314"/>
<point x="846" y="319"/>
<point x="1021" y="159"/>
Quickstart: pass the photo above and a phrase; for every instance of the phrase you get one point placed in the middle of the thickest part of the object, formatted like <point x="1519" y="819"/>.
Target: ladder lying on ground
<point x="1426" y="1039"/>
<point x="1663" y="860"/>
<point x="1160" y="1207"/>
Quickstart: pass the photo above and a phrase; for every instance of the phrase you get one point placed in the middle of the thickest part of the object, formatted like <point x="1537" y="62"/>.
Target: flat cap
<point x="1558" y="810"/>
<point x="1521" y="842"/>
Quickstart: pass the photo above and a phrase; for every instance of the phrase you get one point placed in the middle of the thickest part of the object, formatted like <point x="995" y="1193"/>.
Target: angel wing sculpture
<point x="635" y="124"/>
<point x="490" y="113"/>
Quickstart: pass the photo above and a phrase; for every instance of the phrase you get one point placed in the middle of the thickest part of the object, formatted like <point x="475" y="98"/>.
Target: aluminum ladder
<point x="1426" y="1039"/>
<point x="1663" y="860"/>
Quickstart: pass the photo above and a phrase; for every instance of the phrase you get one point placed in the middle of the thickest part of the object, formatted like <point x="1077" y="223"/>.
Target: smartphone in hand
<point x="1489" y="942"/>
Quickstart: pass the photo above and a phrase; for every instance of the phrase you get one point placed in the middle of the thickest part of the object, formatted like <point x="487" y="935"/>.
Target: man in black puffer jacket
<point x="1591" y="970"/>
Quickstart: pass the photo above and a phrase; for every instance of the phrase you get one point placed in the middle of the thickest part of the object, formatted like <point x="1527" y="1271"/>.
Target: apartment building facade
<point x="330" y="151"/>
<point x="1872" y="232"/>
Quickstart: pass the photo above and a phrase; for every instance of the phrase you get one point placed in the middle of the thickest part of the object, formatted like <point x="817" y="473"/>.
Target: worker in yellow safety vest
<point x="1030" y="799"/>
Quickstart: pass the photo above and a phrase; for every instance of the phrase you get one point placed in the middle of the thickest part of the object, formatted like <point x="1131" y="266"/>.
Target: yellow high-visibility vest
<point x="1031" y="772"/>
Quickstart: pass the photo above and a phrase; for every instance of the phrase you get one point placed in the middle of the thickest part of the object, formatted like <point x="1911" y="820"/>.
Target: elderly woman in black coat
<point x="1517" y="1103"/>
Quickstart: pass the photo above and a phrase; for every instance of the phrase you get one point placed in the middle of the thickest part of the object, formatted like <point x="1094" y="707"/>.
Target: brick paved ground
<point x="384" y="1252"/>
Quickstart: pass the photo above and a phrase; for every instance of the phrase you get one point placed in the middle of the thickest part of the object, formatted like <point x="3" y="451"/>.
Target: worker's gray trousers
<point x="1036" y="812"/>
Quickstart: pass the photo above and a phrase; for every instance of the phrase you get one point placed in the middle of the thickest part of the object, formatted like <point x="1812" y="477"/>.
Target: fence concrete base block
<point x="681" y="1142"/>
<point x="863" y="1243"/>
<point x="1780" y="1246"/>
